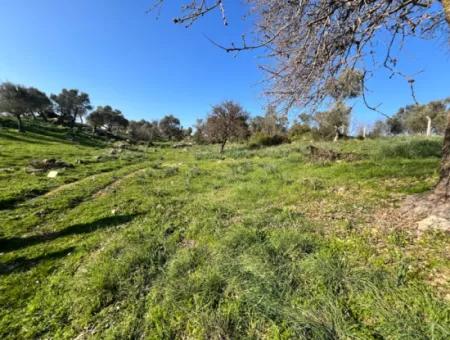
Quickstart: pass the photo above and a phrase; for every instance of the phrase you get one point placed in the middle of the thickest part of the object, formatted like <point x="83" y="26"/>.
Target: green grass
<point x="165" y="243"/>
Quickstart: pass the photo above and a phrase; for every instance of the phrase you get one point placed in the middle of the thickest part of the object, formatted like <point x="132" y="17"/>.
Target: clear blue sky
<point x="148" y="67"/>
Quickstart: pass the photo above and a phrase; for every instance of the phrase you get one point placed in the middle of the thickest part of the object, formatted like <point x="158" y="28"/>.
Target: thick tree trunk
<point x="442" y="190"/>
<point x="19" y="124"/>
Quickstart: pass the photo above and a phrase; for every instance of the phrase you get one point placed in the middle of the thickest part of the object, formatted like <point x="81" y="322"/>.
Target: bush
<point x="299" y="131"/>
<point x="259" y="140"/>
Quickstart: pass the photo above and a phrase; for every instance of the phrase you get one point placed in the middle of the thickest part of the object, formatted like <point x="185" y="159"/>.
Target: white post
<point x="364" y="132"/>
<point x="336" y="137"/>
<point x="429" y="126"/>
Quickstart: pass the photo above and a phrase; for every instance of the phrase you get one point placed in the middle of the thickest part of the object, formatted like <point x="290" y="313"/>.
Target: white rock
<point x="434" y="222"/>
<point x="52" y="174"/>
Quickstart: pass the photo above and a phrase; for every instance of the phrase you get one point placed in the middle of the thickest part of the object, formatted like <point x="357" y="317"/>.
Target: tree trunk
<point x="428" y="126"/>
<point x="336" y="136"/>
<point x="43" y="115"/>
<point x="442" y="190"/>
<point x="19" y="124"/>
<point x="222" y="146"/>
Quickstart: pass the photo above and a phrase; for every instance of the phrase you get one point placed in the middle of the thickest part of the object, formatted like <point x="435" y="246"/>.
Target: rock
<point x="434" y="222"/>
<point x="32" y="170"/>
<point x="52" y="174"/>
<point x="47" y="164"/>
<point x="182" y="145"/>
<point x="7" y="170"/>
<point x="121" y="145"/>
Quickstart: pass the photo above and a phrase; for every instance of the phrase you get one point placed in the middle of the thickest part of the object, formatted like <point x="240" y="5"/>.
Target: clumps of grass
<point x="241" y="168"/>
<point x="270" y="169"/>
<point x="195" y="172"/>
<point x="410" y="149"/>
<point x="170" y="171"/>
<point x="314" y="184"/>
<point x="259" y="282"/>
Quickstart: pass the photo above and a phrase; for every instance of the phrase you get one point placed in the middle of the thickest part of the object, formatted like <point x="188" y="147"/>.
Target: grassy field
<point x="163" y="243"/>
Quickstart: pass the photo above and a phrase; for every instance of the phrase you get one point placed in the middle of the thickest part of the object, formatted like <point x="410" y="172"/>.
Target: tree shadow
<point x="15" y="243"/>
<point x="22" y="264"/>
<point x="12" y="202"/>
<point x="22" y="138"/>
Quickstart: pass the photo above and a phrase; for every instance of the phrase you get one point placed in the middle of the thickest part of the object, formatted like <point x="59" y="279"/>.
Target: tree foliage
<point x="19" y="100"/>
<point x="108" y="118"/>
<point x="334" y="121"/>
<point x="412" y="119"/>
<point x="226" y="121"/>
<point x="144" y="131"/>
<point x="273" y="123"/>
<point x="71" y="104"/>
<point x="170" y="128"/>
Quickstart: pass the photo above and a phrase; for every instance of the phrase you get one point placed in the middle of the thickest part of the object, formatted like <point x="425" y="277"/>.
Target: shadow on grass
<point x="40" y="132"/>
<point x="12" y="202"/>
<point x="22" y="264"/>
<point x="15" y="243"/>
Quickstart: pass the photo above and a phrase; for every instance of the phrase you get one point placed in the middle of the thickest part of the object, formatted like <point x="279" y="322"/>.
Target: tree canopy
<point x="71" y="104"/>
<point x="226" y="121"/>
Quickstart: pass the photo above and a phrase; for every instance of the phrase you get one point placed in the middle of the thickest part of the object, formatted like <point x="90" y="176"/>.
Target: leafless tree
<point x="314" y="41"/>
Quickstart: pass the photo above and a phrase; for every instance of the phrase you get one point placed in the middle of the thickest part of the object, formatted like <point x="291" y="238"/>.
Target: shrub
<point x="261" y="140"/>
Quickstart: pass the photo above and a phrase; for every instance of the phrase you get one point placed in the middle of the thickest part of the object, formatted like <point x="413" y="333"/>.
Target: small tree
<point x="334" y="122"/>
<point x="226" y="121"/>
<point x="416" y="117"/>
<point x="378" y="129"/>
<point x="170" y="128"/>
<point x="71" y="104"/>
<point x="108" y="118"/>
<point x="16" y="100"/>
<point x="200" y="132"/>
<point x="96" y="119"/>
<point x="38" y="103"/>
<point x="144" y="131"/>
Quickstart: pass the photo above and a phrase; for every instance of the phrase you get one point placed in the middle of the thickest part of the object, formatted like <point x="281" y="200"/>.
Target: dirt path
<point x="87" y="179"/>
<point x="112" y="186"/>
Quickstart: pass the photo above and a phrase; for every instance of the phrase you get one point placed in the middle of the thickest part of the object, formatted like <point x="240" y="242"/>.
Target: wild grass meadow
<point x="152" y="242"/>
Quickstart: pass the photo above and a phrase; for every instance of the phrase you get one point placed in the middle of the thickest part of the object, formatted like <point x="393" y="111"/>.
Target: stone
<point x="434" y="222"/>
<point x="182" y="145"/>
<point x="52" y="174"/>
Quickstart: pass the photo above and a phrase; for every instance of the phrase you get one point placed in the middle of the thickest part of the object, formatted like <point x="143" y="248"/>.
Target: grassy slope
<point x="257" y="244"/>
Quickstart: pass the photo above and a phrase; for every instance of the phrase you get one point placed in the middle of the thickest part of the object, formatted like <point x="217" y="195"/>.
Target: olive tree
<point x="71" y="104"/>
<point x="20" y="100"/>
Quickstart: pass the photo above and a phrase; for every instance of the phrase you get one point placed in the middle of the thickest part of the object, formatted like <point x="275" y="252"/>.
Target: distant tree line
<point x="226" y="122"/>
<point x="70" y="106"/>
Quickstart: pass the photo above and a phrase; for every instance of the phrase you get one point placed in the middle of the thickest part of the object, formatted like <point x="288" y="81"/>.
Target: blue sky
<point x="148" y="67"/>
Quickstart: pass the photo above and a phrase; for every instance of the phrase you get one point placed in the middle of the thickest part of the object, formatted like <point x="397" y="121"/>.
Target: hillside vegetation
<point x="157" y="242"/>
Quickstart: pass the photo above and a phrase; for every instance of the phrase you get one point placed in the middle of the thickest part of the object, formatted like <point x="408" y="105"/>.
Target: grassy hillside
<point x="186" y="243"/>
